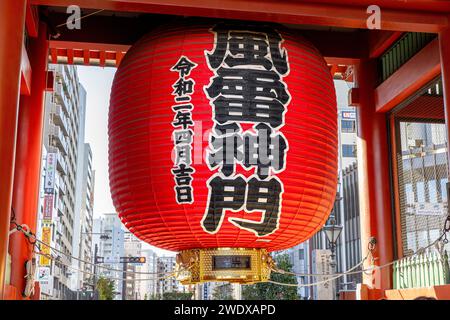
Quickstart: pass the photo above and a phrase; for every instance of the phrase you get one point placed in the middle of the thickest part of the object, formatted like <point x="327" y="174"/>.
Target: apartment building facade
<point x="148" y="288"/>
<point x="131" y="286"/>
<point x="83" y="224"/>
<point x="165" y="266"/>
<point x="108" y="236"/>
<point x="304" y="256"/>
<point x="63" y="136"/>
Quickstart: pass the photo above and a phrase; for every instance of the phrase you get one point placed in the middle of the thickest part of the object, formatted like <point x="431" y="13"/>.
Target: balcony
<point x="62" y="99"/>
<point x="421" y="271"/>
<point x="61" y="208"/>
<point x="62" y="187"/>
<point x="59" y="118"/>
<point x="58" y="139"/>
<point x="61" y="164"/>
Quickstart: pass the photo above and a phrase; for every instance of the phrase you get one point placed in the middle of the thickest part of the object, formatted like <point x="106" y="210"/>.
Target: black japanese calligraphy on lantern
<point x="183" y="179"/>
<point x="182" y="136"/>
<point x="237" y="193"/>
<point x="226" y="142"/>
<point x="184" y="66"/>
<point x="183" y="119"/>
<point x="249" y="96"/>
<point x="265" y="151"/>
<point x="248" y="45"/>
<point x="248" y="63"/>
<point x="247" y="86"/>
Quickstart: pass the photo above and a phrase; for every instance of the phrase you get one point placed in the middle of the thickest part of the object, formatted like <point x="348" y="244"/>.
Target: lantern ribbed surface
<point x="141" y="144"/>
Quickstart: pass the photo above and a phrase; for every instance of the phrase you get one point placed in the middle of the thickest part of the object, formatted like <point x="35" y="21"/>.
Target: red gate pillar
<point x="28" y="158"/>
<point x="12" y="28"/>
<point x="444" y="46"/>
<point x="374" y="178"/>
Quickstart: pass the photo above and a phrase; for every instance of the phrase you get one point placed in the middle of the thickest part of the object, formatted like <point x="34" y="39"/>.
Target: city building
<point x="217" y="291"/>
<point x="83" y="222"/>
<point x="346" y="211"/>
<point x="304" y="256"/>
<point x="166" y="266"/>
<point x="131" y="286"/>
<point x="300" y="259"/>
<point x="349" y="243"/>
<point x="63" y="142"/>
<point x="108" y="239"/>
<point x="148" y="288"/>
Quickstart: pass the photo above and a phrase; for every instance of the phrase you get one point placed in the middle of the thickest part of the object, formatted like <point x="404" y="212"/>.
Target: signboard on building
<point x="48" y="208"/>
<point x="45" y="281"/>
<point x="348" y="115"/>
<point x="46" y="238"/>
<point x="322" y="263"/>
<point x="44" y="275"/>
<point x="50" y="167"/>
<point x="429" y="209"/>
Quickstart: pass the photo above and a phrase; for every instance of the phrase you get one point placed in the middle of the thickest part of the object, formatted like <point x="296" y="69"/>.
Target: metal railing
<point x="61" y="163"/>
<point x="424" y="270"/>
<point x="59" y="138"/>
<point x="59" y="117"/>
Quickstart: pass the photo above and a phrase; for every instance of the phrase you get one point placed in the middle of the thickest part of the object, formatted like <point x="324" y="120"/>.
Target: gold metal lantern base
<point x="237" y="265"/>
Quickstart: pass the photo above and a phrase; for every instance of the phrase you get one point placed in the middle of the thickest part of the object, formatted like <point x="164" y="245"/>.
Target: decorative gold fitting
<point x="236" y="265"/>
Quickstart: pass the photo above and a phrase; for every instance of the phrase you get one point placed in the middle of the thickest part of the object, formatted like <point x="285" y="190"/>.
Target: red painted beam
<point x="294" y="12"/>
<point x="12" y="29"/>
<point x="70" y="56"/>
<point x="374" y="180"/>
<point x="25" y="74"/>
<point x="82" y="53"/>
<point x="444" y="51"/>
<point x="32" y="20"/>
<point x="380" y="41"/>
<point x="113" y="53"/>
<point x="413" y="75"/>
<point x="418" y="5"/>
<point x="86" y="57"/>
<point x="28" y="158"/>
<point x="337" y="47"/>
<point x="55" y="44"/>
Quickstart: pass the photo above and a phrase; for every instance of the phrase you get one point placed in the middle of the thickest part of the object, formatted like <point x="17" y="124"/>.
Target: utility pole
<point x="124" y="280"/>
<point x="95" y="272"/>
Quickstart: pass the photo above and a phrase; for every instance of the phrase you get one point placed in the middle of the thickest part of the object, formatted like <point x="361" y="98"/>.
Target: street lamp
<point x="332" y="232"/>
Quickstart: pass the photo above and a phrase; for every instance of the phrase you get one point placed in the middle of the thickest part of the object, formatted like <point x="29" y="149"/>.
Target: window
<point x="348" y="126"/>
<point x="420" y="191"/>
<point x="444" y="189"/>
<point x="409" y="193"/>
<point x="301" y="254"/>
<point x="349" y="150"/>
<point x="432" y="191"/>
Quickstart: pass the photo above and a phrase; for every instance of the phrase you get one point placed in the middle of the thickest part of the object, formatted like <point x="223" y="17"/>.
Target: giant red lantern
<point x="223" y="143"/>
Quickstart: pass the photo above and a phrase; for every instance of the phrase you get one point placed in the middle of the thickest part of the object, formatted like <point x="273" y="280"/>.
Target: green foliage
<point x="222" y="292"/>
<point x="106" y="288"/>
<point x="270" y="291"/>
<point x="155" y="296"/>
<point x="177" y="296"/>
